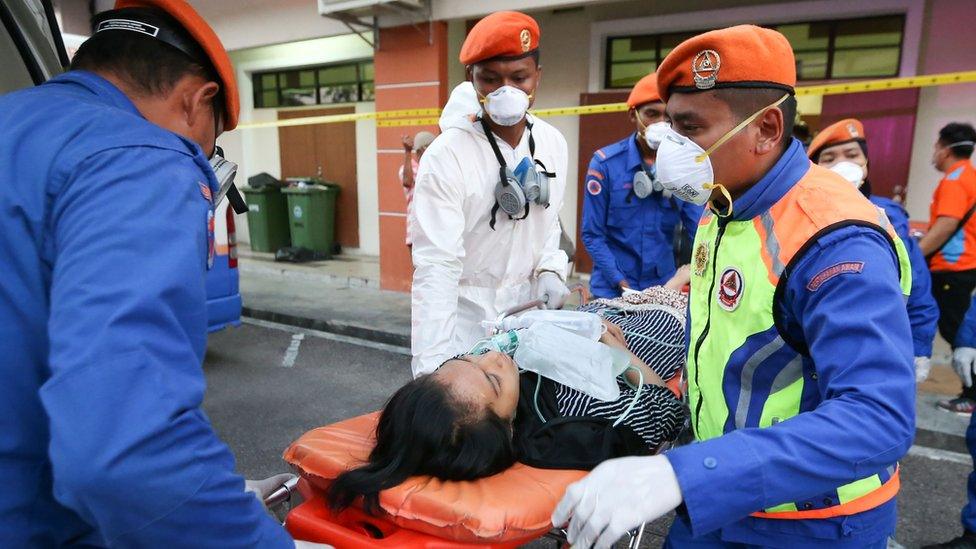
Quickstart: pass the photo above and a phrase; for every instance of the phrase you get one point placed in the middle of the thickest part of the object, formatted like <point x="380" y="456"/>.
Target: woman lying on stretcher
<point x="476" y="414"/>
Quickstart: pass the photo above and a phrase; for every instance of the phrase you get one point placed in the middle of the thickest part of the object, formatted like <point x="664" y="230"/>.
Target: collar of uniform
<point x="100" y="87"/>
<point x="792" y="166"/>
<point x="634" y="160"/>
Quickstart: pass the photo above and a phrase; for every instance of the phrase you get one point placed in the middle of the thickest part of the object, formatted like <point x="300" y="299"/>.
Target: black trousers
<point x="953" y="291"/>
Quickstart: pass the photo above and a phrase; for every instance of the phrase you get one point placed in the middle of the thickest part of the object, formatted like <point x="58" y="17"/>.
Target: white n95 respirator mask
<point x="507" y="105"/>
<point x="685" y="168"/>
<point x="654" y="133"/>
<point x="853" y="173"/>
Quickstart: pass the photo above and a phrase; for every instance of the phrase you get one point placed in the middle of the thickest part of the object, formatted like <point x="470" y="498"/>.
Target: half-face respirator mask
<point x="226" y="171"/>
<point x="527" y="184"/>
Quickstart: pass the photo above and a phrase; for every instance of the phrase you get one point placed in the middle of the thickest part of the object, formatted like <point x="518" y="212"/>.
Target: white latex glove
<point x="299" y="544"/>
<point x="552" y="290"/>
<point x="618" y="496"/>
<point x="964" y="362"/>
<point x="922" y="366"/>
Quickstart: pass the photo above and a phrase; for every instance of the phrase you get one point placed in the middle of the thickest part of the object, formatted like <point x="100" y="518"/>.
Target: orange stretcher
<point x="503" y="511"/>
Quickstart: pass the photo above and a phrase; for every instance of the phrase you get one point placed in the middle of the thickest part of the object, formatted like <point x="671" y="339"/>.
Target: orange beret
<point x="645" y="91"/>
<point x="745" y="56"/>
<point x="501" y="34"/>
<point x="849" y="129"/>
<point x="201" y="32"/>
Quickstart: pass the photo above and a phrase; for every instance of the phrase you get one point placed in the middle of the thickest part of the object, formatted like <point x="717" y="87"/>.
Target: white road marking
<point x="291" y="354"/>
<point x="326" y="335"/>
<point x="940" y="455"/>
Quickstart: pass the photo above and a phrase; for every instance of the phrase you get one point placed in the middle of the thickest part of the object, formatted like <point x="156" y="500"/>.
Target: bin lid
<point x="312" y="189"/>
<point x="260" y="190"/>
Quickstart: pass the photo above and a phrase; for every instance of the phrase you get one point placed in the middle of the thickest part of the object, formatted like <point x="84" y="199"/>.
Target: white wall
<point x="946" y="45"/>
<point x="257" y="150"/>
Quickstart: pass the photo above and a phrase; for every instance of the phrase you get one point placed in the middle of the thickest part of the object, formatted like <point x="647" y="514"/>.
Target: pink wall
<point x="948" y="45"/>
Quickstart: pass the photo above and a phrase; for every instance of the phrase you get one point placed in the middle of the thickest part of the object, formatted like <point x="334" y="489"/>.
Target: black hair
<point x="534" y="54"/>
<point x="744" y="102"/>
<point x="955" y="132"/>
<point x="425" y="430"/>
<point x="147" y="66"/>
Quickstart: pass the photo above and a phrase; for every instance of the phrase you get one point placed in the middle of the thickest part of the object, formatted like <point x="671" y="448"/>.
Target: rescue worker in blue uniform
<point x="964" y="362"/>
<point x="106" y="194"/>
<point x="800" y="377"/>
<point x="631" y="225"/>
<point x="842" y="147"/>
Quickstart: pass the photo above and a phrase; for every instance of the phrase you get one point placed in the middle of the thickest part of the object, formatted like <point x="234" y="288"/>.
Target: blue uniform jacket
<point x="966" y="336"/>
<point x="628" y="238"/>
<point x="923" y="313"/>
<point x="103" y="329"/>
<point x="857" y="407"/>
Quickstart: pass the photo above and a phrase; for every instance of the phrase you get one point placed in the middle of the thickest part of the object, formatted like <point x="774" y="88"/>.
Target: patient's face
<point x="490" y="380"/>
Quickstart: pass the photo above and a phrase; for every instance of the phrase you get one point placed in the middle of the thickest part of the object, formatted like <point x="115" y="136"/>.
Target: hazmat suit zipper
<point x="722" y="224"/>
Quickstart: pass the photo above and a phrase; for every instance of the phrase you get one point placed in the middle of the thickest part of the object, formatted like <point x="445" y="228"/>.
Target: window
<point x="824" y="50"/>
<point x="323" y="85"/>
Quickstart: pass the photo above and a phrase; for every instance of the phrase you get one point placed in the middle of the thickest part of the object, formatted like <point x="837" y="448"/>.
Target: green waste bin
<point x="311" y="216"/>
<point x="267" y="218"/>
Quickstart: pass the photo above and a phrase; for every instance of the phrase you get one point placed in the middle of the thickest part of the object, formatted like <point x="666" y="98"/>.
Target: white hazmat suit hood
<point x="465" y="272"/>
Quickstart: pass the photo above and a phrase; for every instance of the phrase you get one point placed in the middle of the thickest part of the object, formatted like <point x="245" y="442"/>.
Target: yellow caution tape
<point x="336" y="118"/>
<point x="407" y="122"/>
<point x="427" y="117"/>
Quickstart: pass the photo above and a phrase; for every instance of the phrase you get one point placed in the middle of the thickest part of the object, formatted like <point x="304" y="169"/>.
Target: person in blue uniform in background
<point x="107" y="198"/>
<point x="630" y="224"/>
<point x="842" y="147"/>
<point x="964" y="362"/>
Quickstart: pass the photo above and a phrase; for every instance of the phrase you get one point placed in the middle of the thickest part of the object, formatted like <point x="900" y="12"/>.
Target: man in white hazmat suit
<point x="486" y="204"/>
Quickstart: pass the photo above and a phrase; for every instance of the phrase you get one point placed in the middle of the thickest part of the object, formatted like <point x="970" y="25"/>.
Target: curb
<point x="308" y="273"/>
<point x="331" y="326"/>
<point x="941" y="441"/>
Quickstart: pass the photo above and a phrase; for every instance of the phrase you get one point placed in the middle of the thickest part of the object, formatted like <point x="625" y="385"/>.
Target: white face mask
<point x="572" y="360"/>
<point x="507" y="105"/>
<point x="854" y="173"/>
<point x="685" y="169"/>
<point x="654" y="133"/>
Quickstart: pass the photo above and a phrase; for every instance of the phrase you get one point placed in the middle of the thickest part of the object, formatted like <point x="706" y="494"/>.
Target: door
<point x="329" y="151"/>
<point x="595" y="131"/>
<point x="31" y="51"/>
<point x="889" y="123"/>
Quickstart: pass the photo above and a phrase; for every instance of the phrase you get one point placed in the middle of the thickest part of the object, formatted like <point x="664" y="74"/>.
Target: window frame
<point x="258" y="89"/>
<point x="830" y="50"/>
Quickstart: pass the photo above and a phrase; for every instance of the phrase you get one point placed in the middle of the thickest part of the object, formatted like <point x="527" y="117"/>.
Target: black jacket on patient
<point x="573" y="442"/>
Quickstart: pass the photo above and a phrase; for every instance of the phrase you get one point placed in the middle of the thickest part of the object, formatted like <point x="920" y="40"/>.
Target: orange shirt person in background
<point x="950" y="243"/>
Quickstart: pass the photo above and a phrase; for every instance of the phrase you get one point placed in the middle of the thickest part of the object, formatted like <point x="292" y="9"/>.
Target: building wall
<point x="948" y="41"/>
<point x="256" y="150"/>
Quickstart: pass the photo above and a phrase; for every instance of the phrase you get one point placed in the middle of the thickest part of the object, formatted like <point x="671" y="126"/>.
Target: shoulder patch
<point x="594" y="173"/>
<point x="954" y="174"/>
<point x="601" y="154"/>
<point x="847" y="267"/>
<point x="593" y="187"/>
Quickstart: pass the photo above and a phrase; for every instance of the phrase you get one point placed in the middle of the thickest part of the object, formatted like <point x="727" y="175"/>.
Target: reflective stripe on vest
<point x="748" y="347"/>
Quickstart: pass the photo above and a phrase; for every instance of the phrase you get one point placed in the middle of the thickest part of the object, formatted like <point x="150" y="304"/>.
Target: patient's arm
<point x="614" y="337"/>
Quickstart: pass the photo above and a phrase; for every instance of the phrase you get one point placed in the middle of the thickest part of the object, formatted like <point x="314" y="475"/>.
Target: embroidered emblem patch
<point x="730" y="288"/>
<point x="852" y="129"/>
<point x="526" y="39"/>
<point x="701" y="258"/>
<point x="705" y="69"/>
<point x="593" y="187"/>
<point x="205" y="191"/>
<point x="852" y="267"/>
